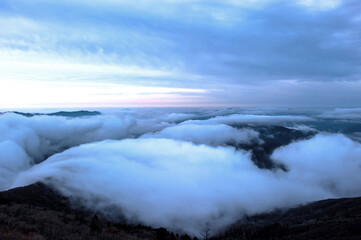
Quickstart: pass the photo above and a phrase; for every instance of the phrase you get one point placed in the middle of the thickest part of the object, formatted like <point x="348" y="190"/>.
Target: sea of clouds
<point x="177" y="168"/>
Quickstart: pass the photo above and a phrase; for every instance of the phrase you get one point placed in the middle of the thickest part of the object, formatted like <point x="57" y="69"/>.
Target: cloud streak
<point x="214" y="135"/>
<point x="222" y="47"/>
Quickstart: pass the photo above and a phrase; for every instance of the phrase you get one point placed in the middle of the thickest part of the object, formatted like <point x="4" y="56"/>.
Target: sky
<point x="119" y="53"/>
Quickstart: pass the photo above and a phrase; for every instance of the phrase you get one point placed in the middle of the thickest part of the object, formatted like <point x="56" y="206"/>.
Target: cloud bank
<point x="186" y="170"/>
<point x="26" y="141"/>
<point x="214" y="135"/>
<point x="252" y="119"/>
<point x="186" y="187"/>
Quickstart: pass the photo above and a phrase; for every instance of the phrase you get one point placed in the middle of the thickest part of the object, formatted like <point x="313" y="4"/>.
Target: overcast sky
<point x="117" y="53"/>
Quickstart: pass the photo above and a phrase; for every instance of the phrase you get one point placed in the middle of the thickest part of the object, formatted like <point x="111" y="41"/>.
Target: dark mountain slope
<point x="37" y="195"/>
<point x="272" y="138"/>
<point x="39" y="212"/>
<point x="326" y="219"/>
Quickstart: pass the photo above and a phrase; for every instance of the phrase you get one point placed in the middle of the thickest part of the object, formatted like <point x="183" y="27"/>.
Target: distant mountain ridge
<point x="74" y="114"/>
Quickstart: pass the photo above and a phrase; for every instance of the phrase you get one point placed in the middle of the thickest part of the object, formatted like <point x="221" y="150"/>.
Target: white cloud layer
<point x="214" y="135"/>
<point x="181" y="186"/>
<point x="26" y="141"/>
<point x="160" y="168"/>
<point x="253" y="119"/>
<point x="342" y="113"/>
<point x="328" y="162"/>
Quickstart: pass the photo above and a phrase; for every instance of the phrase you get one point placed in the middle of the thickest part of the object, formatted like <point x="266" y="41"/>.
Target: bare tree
<point x="205" y="233"/>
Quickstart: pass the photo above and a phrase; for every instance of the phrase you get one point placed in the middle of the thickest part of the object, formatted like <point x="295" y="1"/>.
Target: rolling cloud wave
<point x="165" y="170"/>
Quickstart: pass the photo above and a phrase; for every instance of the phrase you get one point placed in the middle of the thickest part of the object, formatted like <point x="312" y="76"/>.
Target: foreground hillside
<point x="326" y="219"/>
<point x="39" y="212"/>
